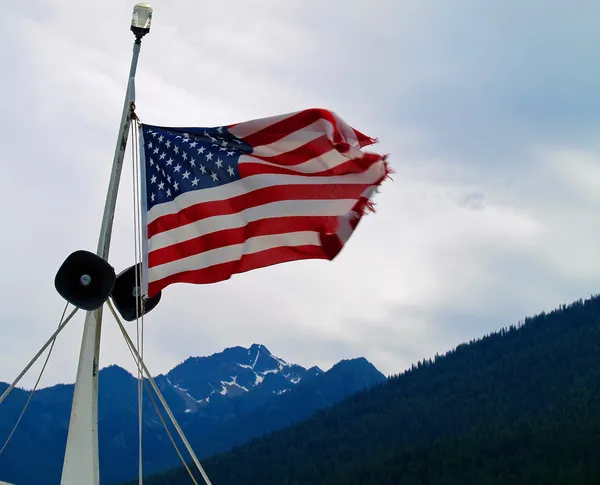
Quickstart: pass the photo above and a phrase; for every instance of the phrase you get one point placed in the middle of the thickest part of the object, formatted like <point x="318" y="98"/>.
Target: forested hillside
<point x="521" y="405"/>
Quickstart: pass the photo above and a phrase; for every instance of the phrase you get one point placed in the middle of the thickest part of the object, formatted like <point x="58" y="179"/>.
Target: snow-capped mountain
<point x="221" y="401"/>
<point x="233" y="372"/>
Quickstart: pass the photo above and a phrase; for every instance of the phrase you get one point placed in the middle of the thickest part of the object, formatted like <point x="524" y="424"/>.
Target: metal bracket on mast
<point x="81" y="461"/>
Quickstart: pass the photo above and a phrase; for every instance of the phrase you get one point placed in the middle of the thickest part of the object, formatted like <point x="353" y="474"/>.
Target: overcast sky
<point x="490" y="111"/>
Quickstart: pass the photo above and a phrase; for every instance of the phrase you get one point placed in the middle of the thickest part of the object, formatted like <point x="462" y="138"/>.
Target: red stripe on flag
<point x="363" y="140"/>
<point x="248" y="262"/>
<point x="357" y="165"/>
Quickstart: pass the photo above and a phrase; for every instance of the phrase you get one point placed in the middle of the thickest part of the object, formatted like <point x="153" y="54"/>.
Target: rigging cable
<point x="36" y="384"/>
<point x="160" y="396"/>
<point x="35" y="358"/>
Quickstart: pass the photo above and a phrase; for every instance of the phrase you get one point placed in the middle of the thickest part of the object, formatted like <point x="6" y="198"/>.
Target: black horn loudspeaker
<point x="85" y="280"/>
<point x="126" y="294"/>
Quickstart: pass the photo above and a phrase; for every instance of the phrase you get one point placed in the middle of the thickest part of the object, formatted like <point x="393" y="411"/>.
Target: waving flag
<point x="229" y="199"/>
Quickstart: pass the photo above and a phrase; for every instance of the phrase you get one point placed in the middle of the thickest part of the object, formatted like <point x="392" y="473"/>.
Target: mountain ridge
<point x="221" y="400"/>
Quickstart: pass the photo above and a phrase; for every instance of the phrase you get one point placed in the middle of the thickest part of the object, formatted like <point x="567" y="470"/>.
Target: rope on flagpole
<point x="160" y="396"/>
<point x="36" y="356"/>
<point x="137" y="218"/>
<point x="35" y="386"/>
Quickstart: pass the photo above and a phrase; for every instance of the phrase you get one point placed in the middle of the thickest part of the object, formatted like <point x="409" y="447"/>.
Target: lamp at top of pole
<point x="141" y="20"/>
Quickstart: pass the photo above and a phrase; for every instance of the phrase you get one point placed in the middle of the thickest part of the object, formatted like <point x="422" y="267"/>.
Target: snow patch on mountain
<point x="226" y="385"/>
<point x="176" y="386"/>
<point x="256" y="359"/>
<point x="190" y="400"/>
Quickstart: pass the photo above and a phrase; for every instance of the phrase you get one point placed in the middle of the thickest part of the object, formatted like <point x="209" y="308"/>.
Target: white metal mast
<point x="81" y="461"/>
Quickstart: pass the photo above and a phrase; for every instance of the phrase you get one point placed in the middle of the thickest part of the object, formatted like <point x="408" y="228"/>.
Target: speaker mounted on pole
<point x="85" y="280"/>
<point x="127" y="294"/>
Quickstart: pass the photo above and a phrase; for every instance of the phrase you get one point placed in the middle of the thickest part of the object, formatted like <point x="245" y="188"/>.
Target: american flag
<point x="229" y="199"/>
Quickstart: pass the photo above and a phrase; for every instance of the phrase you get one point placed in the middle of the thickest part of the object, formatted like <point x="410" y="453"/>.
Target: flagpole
<point x="81" y="460"/>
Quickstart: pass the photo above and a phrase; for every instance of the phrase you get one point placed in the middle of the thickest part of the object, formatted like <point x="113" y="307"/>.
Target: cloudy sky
<point x="490" y="110"/>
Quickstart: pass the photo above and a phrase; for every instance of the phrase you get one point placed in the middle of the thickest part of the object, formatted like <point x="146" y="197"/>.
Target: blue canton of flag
<point x="180" y="160"/>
